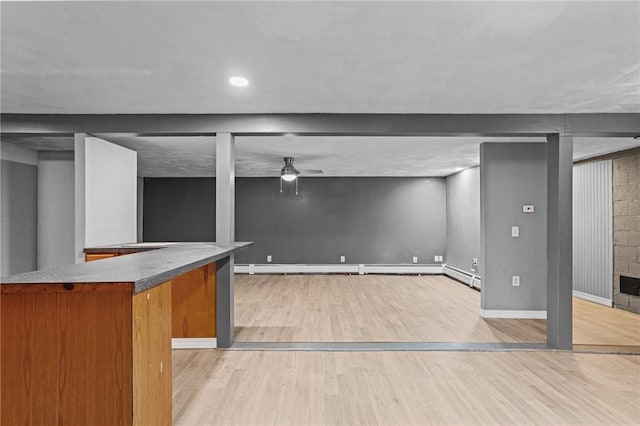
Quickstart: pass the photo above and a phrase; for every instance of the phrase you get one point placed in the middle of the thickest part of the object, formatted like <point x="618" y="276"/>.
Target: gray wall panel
<point x="56" y="220"/>
<point x="593" y="229"/>
<point x="463" y="219"/>
<point x="513" y="174"/>
<point x="139" y="206"/>
<point x="18" y="217"/>
<point x="179" y="209"/>
<point x="368" y="220"/>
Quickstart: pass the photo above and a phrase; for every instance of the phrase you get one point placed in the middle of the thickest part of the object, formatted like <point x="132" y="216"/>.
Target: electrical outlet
<point x="435" y="258"/>
<point x="342" y="259"/>
<point x="268" y="258"/>
<point x="415" y="259"/>
<point x="440" y="259"/>
<point x="515" y="231"/>
<point x="515" y="281"/>
<point x="475" y="262"/>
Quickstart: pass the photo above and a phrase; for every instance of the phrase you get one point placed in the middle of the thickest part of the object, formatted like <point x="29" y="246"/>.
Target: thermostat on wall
<point x="527" y="208"/>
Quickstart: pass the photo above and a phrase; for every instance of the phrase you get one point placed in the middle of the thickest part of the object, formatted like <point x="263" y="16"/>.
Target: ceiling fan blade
<point x="311" y="171"/>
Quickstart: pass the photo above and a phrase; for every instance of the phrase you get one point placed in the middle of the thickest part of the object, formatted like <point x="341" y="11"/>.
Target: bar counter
<point x="148" y="264"/>
<point x="90" y="343"/>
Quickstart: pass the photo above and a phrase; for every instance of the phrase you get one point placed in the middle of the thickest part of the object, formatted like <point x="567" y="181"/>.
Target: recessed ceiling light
<point x="239" y="81"/>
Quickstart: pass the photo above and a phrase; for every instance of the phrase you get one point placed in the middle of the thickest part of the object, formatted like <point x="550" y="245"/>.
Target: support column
<point x="559" y="241"/>
<point x="79" y="195"/>
<point x="225" y="235"/>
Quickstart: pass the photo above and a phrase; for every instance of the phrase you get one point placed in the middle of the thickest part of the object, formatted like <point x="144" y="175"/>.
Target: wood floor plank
<point x="401" y="308"/>
<point x="405" y="388"/>
<point x="213" y="387"/>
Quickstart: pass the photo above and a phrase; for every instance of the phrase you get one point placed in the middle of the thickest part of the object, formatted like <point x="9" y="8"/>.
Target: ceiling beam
<point x="612" y="125"/>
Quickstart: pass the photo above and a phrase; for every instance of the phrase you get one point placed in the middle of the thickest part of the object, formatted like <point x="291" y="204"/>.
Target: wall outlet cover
<point x="268" y="258"/>
<point x="515" y="281"/>
<point x="342" y="259"/>
<point x="515" y="231"/>
<point x="415" y="259"/>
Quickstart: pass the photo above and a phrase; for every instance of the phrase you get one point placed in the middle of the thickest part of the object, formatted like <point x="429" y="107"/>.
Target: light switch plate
<point x="515" y="231"/>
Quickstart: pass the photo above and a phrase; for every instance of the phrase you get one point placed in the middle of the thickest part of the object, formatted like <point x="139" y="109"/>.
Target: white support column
<point x="79" y="195"/>
<point x="225" y="235"/>
<point x="559" y="241"/>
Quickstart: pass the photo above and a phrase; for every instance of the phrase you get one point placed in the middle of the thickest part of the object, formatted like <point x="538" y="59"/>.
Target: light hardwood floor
<point x="387" y="308"/>
<point x="215" y="387"/>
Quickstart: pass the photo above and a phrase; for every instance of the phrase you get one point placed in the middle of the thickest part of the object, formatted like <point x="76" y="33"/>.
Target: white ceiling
<point x="328" y="57"/>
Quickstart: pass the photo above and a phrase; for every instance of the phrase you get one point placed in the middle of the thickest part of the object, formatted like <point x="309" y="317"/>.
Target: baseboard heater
<point x="465" y="277"/>
<point x="361" y="269"/>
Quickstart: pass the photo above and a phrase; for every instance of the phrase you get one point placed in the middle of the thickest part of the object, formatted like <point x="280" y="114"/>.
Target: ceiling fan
<point x="289" y="173"/>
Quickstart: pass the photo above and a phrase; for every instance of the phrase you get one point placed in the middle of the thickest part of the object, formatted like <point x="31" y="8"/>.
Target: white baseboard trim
<point x="591" y="298"/>
<point x="194" y="343"/>
<point x="283" y="268"/>
<point x="496" y="313"/>
<point x="402" y="269"/>
<point x="468" y="278"/>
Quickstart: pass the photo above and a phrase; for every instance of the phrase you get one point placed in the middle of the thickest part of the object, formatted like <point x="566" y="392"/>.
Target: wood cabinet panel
<point x="65" y="356"/>
<point x="194" y="303"/>
<point x="152" y="356"/>
<point x="90" y="257"/>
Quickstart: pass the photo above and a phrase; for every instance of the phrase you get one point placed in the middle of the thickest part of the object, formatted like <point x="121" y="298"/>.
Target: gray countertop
<point x="145" y="268"/>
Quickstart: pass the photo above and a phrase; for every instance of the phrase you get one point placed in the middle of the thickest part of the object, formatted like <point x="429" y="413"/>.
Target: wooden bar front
<point x="193" y="296"/>
<point x="97" y="353"/>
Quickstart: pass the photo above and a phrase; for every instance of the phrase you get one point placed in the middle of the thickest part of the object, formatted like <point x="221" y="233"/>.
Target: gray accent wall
<point x="367" y="220"/>
<point x="18" y="210"/>
<point x="56" y="222"/>
<point x="463" y="219"/>
<point x="179" y="209"/>
<point x="513" y="174"/>
<point x="139" y="207"/>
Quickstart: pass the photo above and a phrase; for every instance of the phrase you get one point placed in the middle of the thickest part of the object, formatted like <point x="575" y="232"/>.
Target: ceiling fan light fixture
<point x="288" y="172"/>
<point x="288" y="176"/>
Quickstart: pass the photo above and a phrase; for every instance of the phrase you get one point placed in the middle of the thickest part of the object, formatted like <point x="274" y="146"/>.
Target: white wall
<point x="18" y="207"/>
<point x="110" y="193"/>
<point x="593" y="231"/>
<point x="55" y="208"/>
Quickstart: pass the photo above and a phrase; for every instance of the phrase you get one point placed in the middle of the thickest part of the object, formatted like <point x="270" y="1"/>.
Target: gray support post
<point x="559" y="241"/>
<point x="79" y="196"/>
<point x="225" y="235"/>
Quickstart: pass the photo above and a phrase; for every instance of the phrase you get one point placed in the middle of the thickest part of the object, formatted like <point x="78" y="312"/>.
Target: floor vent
<point x="629" y="285"/>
